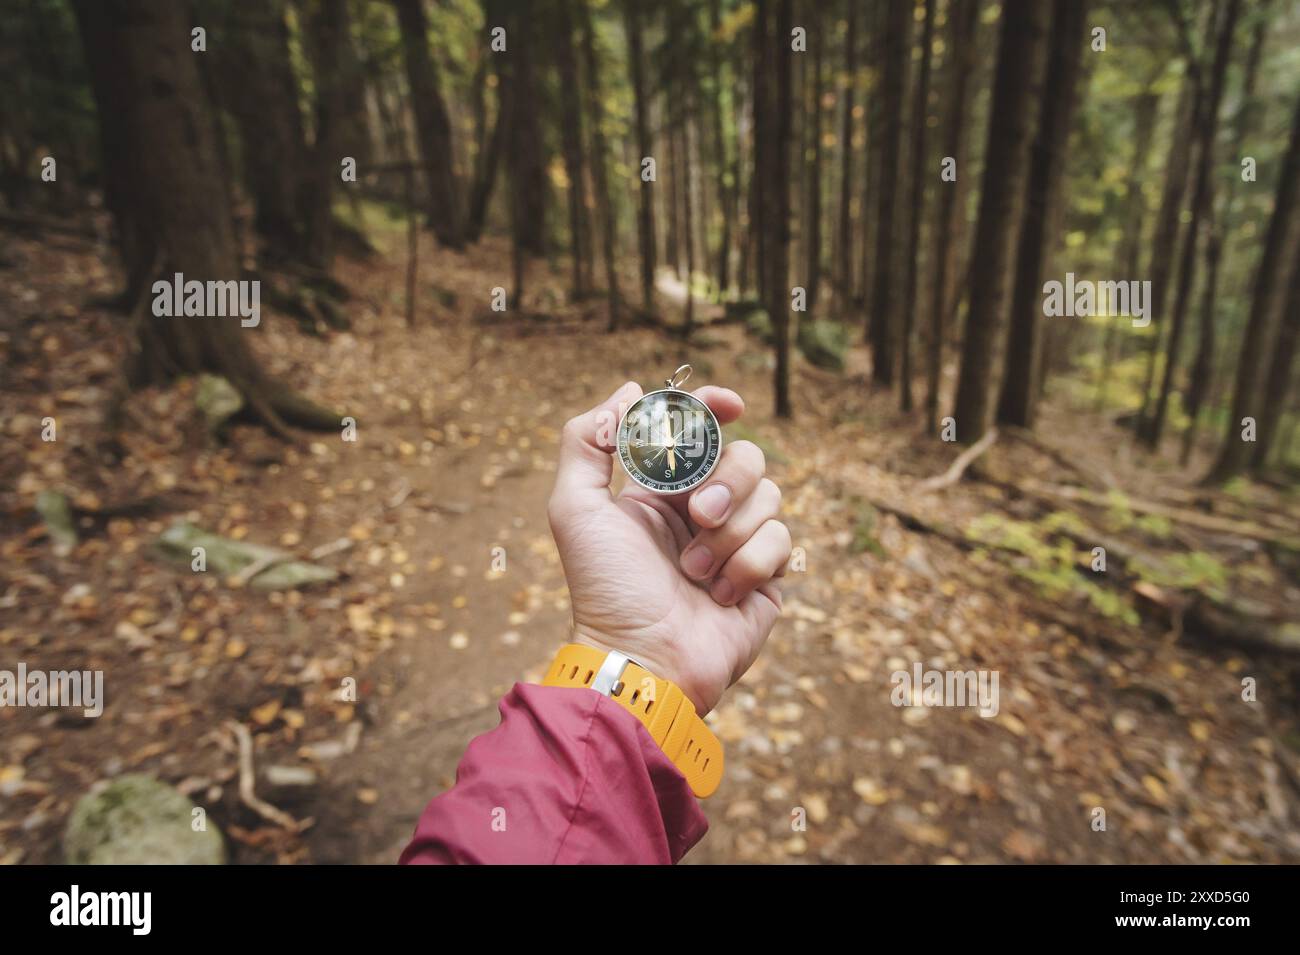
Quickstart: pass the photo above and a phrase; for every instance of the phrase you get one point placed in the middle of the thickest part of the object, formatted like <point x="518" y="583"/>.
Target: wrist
<point x="659" y="663"/>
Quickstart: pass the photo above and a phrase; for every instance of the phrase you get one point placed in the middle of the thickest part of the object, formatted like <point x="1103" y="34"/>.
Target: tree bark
<point x="1006" y="167"/>
<point x="1017" y="403"/>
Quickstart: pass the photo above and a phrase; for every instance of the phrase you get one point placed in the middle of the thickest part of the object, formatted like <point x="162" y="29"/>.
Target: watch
<point x="660" y="705"/>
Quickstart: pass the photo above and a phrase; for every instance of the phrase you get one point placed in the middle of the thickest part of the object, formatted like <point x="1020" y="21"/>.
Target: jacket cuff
<point x="568" y="776"/>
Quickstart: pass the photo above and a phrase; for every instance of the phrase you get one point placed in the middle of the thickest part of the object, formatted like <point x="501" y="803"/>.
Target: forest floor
<point x="458" y="421"/>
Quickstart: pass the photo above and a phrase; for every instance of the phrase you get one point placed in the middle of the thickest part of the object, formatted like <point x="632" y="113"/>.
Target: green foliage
<point x="737" y="431"/>
<point x="824" y="343"/>
<point x="1053" y="564"/>
<point x="865" y="521"/>
<point x="1194" y="570"/>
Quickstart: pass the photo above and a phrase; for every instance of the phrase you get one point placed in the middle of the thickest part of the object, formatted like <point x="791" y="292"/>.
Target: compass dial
<point x="669" y="441"/>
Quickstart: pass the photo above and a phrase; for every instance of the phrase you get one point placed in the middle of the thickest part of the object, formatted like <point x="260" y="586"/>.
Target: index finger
<point x="725" y="404"/>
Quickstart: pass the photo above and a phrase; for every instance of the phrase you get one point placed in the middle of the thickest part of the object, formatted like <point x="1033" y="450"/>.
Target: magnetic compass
<point x="669" y="440"/>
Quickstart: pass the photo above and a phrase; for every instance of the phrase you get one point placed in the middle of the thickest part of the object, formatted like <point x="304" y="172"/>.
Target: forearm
<point x="567" y="777"/>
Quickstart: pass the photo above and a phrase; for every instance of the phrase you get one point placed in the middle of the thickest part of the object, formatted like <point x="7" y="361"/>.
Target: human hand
<point x="685" y="585"/>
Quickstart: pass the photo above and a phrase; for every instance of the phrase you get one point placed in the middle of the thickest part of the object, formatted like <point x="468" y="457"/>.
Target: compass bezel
<point x="657" y="487"/>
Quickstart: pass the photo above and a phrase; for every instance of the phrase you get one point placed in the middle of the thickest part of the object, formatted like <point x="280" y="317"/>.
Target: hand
<point x="685" y="585"/>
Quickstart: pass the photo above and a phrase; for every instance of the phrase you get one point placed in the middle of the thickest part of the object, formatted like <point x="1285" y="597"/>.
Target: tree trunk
<point x="844" y="250"/>
<point x="813" y="242"/>
<point x="258" y="90"/>
<point x="488" y="159"/>
<point x="762" y="121"/>
<point x="727" y="157"/>
<point x="1016" y="87"/>
<point x="432" y="124"/>
<point x="1274" y="275"/>
<point x="920" y="163"/>
<point x="149" y="92"/>
<point x="1164" y="243"/>
<point x="599" y="167"/>
<point x="772" y="116"/>
<point x="872" y="157"/>
<point x="883" y="324"/>
<point x="963" y="17"/>
<point x="327" y="32"/>
<point x="1017" y="403"/>
<point x="1145" y="105"/>
<point x="1202" y="201"/>
<point x="1278" y="383"/>
<point x="632" y="21"/>
<point x="1202" y="372"/>
<point x="571" y="137"/>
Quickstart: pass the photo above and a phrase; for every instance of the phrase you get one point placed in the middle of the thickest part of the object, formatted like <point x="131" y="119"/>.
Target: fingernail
<point x="722" y="591"/>
<point x="697" y="560"/>
<point x="714" y="501"/>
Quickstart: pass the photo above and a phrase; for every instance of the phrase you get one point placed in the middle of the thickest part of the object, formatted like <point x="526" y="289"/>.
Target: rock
<point x="824" y="343"/>
<point x="290" y="777"/>
<point x="218" y="399"/>
<point x="136" y="820"/>
<point x="759" y="325"/>
<point x="57" y="514"/>
<point x="228" y="557"/>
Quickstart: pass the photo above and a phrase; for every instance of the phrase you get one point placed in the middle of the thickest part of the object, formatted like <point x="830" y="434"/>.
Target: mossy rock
<point x="137" y="820"/>
<point x="218" y="400"/>
<point x="824" y="343"/>
<point x="227" y="558"/>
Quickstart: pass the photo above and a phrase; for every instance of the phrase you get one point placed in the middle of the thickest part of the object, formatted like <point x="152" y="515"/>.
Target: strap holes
<point x="697" y="756"/>
<point x="690" y="744"/>
<point x="573" y="673"/>
<point x="635" y="695"/>
<point x="705" y="767"/>
<point x="590" y="674"/>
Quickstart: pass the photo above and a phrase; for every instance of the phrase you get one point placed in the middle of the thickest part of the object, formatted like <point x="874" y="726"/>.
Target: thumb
<point x="586" y="449"/>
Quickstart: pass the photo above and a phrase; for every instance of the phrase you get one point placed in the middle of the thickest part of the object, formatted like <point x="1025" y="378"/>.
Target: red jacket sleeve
<point x="567" y="777"/>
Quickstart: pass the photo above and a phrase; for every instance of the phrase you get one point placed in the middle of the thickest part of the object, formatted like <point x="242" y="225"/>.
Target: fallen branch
<point x="958" y="467"/>
<point x="1207" y="522"/>
<point x="247" y="793"/>
<point x="1253" y="626"/>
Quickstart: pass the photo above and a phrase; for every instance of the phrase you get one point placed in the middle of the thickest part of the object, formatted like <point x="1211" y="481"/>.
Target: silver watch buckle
<point x="609" y="678"/>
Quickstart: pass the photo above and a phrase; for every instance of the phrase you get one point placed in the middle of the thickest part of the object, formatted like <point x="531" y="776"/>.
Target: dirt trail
<point x="458" y="421"/>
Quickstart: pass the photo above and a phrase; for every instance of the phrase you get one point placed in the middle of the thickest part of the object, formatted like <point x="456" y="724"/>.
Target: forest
<point x="1011" y="289"/>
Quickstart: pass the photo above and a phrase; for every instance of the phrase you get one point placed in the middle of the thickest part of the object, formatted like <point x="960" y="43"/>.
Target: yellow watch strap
<point x="660" y="705"/>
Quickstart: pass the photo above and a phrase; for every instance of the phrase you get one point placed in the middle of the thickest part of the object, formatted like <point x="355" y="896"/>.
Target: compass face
<point x="669" y="441"/>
